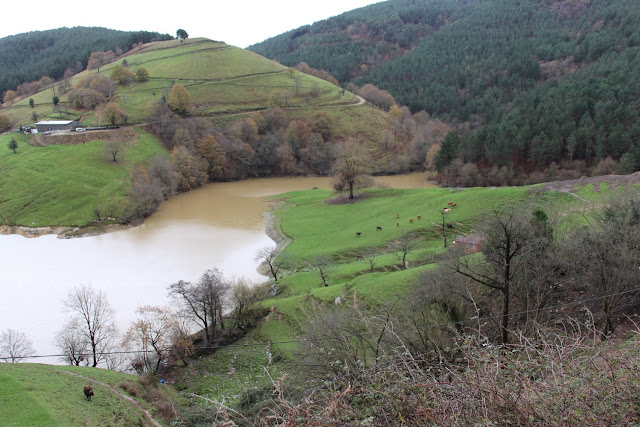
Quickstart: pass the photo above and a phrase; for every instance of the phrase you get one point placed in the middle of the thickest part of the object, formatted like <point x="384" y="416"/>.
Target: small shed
<point x="56" y="125"/>
<point x="470" y="243"/>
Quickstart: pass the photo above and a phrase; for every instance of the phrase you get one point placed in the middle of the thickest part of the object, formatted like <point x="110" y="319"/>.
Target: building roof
<point x="55" y="122"/>
<point x="471" y="239"/>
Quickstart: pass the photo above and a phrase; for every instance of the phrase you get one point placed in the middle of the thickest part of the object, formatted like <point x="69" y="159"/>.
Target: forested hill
<point x="549" y="80"/>
<point x="29" y="56"/>
<point x="353" y="43"/>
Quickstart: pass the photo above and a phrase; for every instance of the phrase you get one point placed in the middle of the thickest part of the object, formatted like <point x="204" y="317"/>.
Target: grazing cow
<point x="445" y="210"/>
<point x="449" y="226"/>
<point x="397" y="215"/>
<point x="378" y="228"/>
<point x="358" y="234"/>
<point x="359" y="257"/>
<point x="411" y="220"/>
<point x="88" y="391"/>
<point x="450" y="203"/>
<point x="454" y="204"/>
<point x="419" y="216"/>
<point x="397" y="224"/>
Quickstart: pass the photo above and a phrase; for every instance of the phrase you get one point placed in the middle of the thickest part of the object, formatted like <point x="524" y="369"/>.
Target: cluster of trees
<point x="159" y="336"/>
<point x="91" y="91"/>
<point x="260" y="144"/>
<point x="60" y="53"/>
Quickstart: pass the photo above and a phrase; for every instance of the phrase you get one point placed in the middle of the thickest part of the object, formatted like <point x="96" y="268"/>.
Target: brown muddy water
<point x="219" y="225"/>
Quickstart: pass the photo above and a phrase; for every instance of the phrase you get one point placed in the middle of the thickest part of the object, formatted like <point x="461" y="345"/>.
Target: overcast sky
<point x="236" y="22"/>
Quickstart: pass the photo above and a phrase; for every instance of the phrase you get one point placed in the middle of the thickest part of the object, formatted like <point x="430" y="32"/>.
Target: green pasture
<point x="60" y="185"/>
<point x="34" y="394"/>
<point x="318" y="227"/>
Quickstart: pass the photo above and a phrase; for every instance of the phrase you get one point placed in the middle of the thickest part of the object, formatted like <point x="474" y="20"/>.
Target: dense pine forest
<point x="30" y="56"/>
<point x="540" y="81"/>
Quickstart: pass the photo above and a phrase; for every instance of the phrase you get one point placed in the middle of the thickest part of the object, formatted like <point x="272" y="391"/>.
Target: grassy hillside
<point x="60" y="185"/>
<point x="221" y="79"/>
<point x="33" y="394"/>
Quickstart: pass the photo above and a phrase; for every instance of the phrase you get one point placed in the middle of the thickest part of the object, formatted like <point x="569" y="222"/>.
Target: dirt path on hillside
<point x="144" y="412"/>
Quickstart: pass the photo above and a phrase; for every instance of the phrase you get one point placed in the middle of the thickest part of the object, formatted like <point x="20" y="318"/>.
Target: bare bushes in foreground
<point x="570" y="378"/>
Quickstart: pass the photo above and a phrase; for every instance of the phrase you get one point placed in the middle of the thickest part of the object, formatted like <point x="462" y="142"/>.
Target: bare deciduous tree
<point x="352" y="168"/>
<point x="245" y="298"/>
<point x="272" y="257"/>
<point x="402" y="246"/>
<point x="94" y="317"/>
<point x="113" y="150"/>
<point x="15" y="346"/>
<point x="204" y="301"/>
<point x="605" y="258"/>
<point x="514" y="247"/>
<point x="325" y="267"/>
<point x="72" y="343"/>
<point x="152" y="333"/>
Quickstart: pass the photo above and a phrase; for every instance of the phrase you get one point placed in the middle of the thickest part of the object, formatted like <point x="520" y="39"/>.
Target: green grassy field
<point x="33" y="394"/>
<point x="318" y="228"/>
<point x="59" y="185"/>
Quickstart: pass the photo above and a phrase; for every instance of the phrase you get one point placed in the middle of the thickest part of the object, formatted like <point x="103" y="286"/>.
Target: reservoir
<point x="219" y="225"/>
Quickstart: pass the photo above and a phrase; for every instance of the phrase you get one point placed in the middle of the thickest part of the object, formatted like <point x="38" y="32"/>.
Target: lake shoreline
<point x="64" y="232"/>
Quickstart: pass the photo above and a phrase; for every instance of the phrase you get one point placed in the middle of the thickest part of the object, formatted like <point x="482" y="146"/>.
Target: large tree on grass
<point x="182" y="34"/>
<point x="352" y="168"/>
<point x="114" y="114"/>
<point x="180" y="99"/>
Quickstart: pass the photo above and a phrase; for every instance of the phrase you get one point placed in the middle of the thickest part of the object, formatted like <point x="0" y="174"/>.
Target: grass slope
<point x="33" y="394"/>
<point x="222" y="79"/>
<point x="59" y="185"/>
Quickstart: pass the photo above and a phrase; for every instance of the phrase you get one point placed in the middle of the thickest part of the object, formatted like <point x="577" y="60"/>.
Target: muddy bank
<point x="64" y="232"/>
<point x="274" y="231"/>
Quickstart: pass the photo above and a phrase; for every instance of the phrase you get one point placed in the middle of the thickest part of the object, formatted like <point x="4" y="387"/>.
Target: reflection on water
<point x="219" y="225"/>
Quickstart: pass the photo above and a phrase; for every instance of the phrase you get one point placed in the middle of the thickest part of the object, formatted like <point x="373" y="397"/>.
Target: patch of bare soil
<point x="126" y="135"/>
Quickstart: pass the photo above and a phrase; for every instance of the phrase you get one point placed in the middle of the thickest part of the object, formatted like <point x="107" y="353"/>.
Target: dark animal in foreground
<point x="378" y="228"/>
<point x="88" y="391"/>
<point x="449" y="226"/>
<point x="358" y="233"/>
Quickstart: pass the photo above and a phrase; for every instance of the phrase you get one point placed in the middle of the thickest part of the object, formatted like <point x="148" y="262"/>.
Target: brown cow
<point x="411" y="220"/>
<point x="88" y="391"/>
<point x="419" y="216"/>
